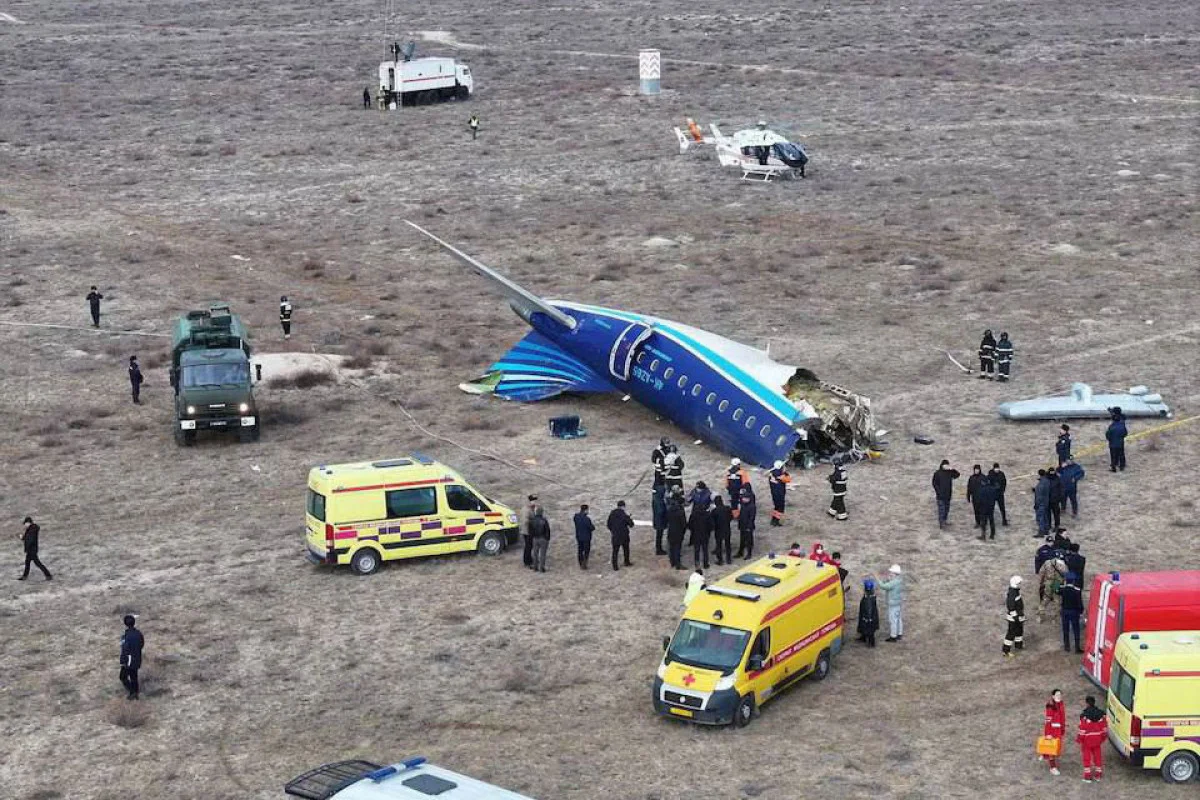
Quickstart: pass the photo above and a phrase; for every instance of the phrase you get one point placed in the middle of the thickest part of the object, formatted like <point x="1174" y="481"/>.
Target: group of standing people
<point x="985" y="494"/>
<point x="995" y="357"/>
<point x="1093" y="730"/>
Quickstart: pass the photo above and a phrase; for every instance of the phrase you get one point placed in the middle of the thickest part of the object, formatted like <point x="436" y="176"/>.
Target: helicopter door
<point x="620" y="358"/>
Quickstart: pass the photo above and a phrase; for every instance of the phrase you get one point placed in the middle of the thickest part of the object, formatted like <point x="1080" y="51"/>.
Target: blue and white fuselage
<point x="720" y="391"/>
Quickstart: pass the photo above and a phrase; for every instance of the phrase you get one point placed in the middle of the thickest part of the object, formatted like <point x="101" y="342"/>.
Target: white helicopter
<point x="760" y="154"/>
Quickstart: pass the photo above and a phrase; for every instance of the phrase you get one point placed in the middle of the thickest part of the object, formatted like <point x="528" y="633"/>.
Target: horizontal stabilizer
<point x="534" y="369"/>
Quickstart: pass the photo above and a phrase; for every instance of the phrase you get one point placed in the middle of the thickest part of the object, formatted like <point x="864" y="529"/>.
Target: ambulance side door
<point x="761" y="667"/>
<point x="412" y="527"/>
<point x="463" y="516"/>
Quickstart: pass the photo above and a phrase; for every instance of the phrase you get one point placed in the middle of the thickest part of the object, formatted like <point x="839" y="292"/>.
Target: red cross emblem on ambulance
<point x="689" y="679"/>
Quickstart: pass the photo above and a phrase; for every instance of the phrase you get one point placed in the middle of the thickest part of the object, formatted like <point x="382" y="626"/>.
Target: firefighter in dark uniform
<point x="987" y="355"/>
<point x="1004" y="355"/>
<point x="1014" y="605"/>
<point x="747" y="511"/>
<point x="658" y="503"/>
<point x="837" y="482"/>
<point x="778" y="479"/>
<point x="735" y="478"/>
<point x="473" y="124"/>
<point x="657" y="458"/>
<point x="135" y="380"/>
<point x="673" y="470"/>
<point x="285" y="317"/>
<point x="1000" y="482"/>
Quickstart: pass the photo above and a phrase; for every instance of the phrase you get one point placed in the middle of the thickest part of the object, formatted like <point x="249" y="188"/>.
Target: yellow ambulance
<point x="749" y="636"/>
<point x="1154" y="702"/>
<point x="365" y="513"/>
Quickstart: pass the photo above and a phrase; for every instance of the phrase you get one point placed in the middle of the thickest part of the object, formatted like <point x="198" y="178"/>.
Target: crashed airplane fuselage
<point x="732" y="396"/>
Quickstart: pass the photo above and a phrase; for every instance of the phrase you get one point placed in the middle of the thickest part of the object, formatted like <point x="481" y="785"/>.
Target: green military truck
<point x="210" y="372"/>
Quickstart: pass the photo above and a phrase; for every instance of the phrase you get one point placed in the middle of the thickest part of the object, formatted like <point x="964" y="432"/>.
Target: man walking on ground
<point x="1058" y="498"/>
<point x="619" y="523"/>
<point x="985" y="507"/>
<point x="1115" y="435"/>
<point x="1071" y="474"/>
<point x="837" y="483"/>
<point x="893" y="590"/>
<point x="527" y="555"/>
<point x="973" y="484"/>
<point x="722" y="522"/>
<point x="539" y="532"/>
<point x="29" y="537"/>
<point x="1062" y="447"/>
<point x="1014" y="605"/>
<point x="94" y="297"/>
<point x="1072" y="607"/>
<point x="473" y="124"/>
<point x="1093" y="731"/>
<point x="943" y="490"/>
<point x="285" y="317"/>
<point x="135" y="380"/>
<point x="583" y="535"/>
<point x="132" y="643"/>
<point x="1000" y="481"/>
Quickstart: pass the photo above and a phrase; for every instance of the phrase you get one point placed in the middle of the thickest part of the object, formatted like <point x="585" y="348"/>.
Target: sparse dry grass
<point x="127" y="713"/>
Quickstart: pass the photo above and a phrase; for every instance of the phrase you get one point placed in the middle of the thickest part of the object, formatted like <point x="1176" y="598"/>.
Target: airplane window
<point x="750" y="422"/>
<point x="765" y="432"/>
<point x="782" y="438"/>
<point x="724" y="405"/>
<point x="696" y="390"/>
<point x="738" y="414"/>
<point x="668" y="372"/>
<point x="712" y="398"/>
<point x="683" y="379"/>
<point x="654" y="365"/>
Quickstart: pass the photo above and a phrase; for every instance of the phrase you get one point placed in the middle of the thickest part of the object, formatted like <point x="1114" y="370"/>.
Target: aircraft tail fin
<point x="535" y="369"/>
<point x="523" y="301"/>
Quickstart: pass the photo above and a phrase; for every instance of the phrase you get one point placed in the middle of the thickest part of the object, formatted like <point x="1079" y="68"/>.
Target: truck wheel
<point x="744" y="711"/>
<point x="1180" y="767"/>
<point x="365" y="561"/>
<point x="821" y="668"/>
<point x="491" y="544"/>
<point x="462" y="93"/>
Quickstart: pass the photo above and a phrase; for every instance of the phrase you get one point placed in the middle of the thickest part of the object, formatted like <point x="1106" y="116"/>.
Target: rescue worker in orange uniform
<point x="778" y="479"/>
<point x="1054" y="725"/>
<point x="1093" y="730"/>
<point x="735" y="479"/>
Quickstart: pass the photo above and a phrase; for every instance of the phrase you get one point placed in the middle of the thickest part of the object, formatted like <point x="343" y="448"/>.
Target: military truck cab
<point x="210" y="373"/>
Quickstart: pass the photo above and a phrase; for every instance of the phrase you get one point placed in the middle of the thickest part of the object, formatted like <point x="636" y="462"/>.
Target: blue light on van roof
<point x="421" y="458"/>
<point x="381" y="773"/>
<point x="413" y="763"/>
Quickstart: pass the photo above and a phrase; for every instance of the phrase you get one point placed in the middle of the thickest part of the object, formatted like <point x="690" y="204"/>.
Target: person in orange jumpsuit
<point x="1054" y="725"/>
<point x="1093" y="730"/>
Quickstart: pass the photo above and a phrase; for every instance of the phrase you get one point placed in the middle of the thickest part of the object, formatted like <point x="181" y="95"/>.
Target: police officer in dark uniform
<point x="1004" y="356"/>
<point x="999" y="482"/>
<point x="132" y="643"/>
<point x="722" y="523"/>
<point x="987" y="355"/>
<point x="676" y="526"/>
<point x="94" y="297"/>
<point x="973" y="485"/>
<point x="135" y="379"/>
<point x="619" y="524"/>
<point x="29" y="537"/>
<point x="583" y="535"/>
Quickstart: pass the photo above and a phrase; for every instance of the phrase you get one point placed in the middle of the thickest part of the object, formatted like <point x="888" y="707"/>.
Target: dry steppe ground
<point x="1027" y="166"/>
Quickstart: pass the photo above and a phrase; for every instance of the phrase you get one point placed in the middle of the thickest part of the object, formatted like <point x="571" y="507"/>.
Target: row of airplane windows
<point x="722" y="407"/>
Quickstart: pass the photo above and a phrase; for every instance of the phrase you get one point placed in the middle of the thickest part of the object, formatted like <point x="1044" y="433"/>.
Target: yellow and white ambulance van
<point x="749" y="636"/>
<point x="365" y="513"/>
<point x="1154" y="702"/>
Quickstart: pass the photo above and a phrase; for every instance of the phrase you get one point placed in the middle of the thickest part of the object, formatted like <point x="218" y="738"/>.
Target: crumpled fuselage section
<point x="844" y="428"/>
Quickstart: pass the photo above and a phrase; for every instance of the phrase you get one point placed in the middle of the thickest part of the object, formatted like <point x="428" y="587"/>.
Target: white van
<point x="414" y="779"/>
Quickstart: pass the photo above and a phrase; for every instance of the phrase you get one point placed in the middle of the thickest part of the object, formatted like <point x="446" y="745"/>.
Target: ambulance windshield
<point x="699" y="644"/>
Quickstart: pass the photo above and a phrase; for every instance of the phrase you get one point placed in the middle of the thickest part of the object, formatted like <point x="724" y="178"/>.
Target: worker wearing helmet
<point x="778" y="479"/>
<point x="1014" y="637"/>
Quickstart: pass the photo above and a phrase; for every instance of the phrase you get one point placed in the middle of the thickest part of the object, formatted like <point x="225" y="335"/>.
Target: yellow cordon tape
<point x="1100" y="448"/>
